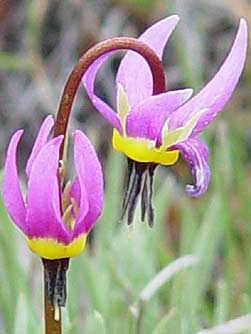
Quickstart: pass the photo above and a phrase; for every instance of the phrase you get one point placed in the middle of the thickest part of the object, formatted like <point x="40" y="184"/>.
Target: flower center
<point x="69" y="208"/>
<point x="143" y="150"/>
<point x="50" y="249"/>
<point x="138" y="149"/>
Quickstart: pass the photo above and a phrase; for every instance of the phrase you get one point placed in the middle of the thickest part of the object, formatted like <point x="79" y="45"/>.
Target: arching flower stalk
<point x="152" y="129"/>
<point x="55" y="215"/>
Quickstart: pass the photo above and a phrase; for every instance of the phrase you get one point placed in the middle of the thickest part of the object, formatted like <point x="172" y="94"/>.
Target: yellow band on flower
<point x="51" y="249"/>
<point x="143" y="150"/>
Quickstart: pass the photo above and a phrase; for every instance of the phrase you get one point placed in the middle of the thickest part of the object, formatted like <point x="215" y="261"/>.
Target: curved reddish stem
<point x="118" y="43"/>
<point x="53" y="325"/>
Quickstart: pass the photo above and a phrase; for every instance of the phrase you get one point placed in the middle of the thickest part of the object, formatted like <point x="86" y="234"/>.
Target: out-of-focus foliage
<point x="40" y="41"/>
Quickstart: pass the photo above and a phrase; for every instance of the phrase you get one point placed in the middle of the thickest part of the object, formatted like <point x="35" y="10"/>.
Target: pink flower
<point x="153" y="130"/>
<point x="55" y="219"/>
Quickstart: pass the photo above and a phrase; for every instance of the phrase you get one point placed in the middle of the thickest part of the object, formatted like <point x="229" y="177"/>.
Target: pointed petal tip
<point x="243" y="27"/>
<point x="188" y="92"/>
<point x="11" y="190"/>
<point x="49" y="118"/>
<point x="40" y="141"/>
<point x="18" y="134"/>
<point x="90" y="179"/>
<point x="58" y="139"/>
<point x="77" y="133"/>
<point x="169" y="22"/>
<point x="241" y="38"/>
<point x="243" y="23"/>
<point x="213" y="97"/>
<point x="243" y="32"/>
<point x="80" y="135"/>
<point x="174" y="17"/>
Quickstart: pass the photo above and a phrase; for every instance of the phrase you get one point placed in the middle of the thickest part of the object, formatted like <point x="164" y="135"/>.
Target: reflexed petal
<point x="40" y="141"/>
<point x="89" y="80"/>
<point x="146" y="119"/>
<point x="218" y="91"/>
<point x="134" y="73"/>
<point x="12" y="196"/>
<point x="43" y="213"/>
<point x="90" y="178"/>
<point x="195" y="152"/>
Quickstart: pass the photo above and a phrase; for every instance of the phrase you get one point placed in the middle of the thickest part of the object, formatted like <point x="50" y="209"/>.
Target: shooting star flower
<point x="154" y="129"/>
<point x="55" y="219"/>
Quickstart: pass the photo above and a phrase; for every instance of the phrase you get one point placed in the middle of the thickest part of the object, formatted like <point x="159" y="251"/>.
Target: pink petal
<point x="90" y="178"/>
<point x="218" y="91"/>
<point x="134" y="73"/>
<point x="88" y="81"/>
<point x="78" y="192"/>
<point x="146" y="118"/>
<point x="195" y="152"/>
<point x="40" y="142"/>
<point x="12" y="196"/>
<point x="75" y="191"/>
<point x="43" y="199"/>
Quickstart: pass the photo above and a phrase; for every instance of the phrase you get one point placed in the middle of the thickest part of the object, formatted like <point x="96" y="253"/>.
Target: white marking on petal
<point x="179" y="134"/>
<point x="190" y="125"/>
<point x="123" y="106"/>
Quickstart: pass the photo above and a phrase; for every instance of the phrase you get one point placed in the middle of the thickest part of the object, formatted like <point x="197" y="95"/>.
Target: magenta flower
<point x="55" y="219"/>
<point x="153" y="130"/>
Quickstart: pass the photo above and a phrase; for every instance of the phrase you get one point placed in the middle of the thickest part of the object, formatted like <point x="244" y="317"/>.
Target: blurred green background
<point x="203" y="245"/>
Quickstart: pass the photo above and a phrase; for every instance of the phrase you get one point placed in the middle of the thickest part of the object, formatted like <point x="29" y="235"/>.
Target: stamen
<point x="65" y="196"/>
<point x="134" y="197"/>
<point x="74" y="206"/>
<point x="149" y="194"/>
<point x="61" y="170"/>
<point x="144" y="199"/>
<point x="140" y="181"/>
<point x="55" y="283"/>
<point x="70" y="208"/>
<point x="67" y="215"/>
<point x="134" y="188"/>
<point x="129" y="184"/>
<point x="146" y="196"/>
<point x="68" y="220"/>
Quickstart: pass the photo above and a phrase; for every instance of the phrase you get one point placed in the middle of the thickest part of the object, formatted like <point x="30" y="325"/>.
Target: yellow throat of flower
<point x="143" y="149"/>
<point x="138" y="149"/>
<point x="50" y="249"/>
